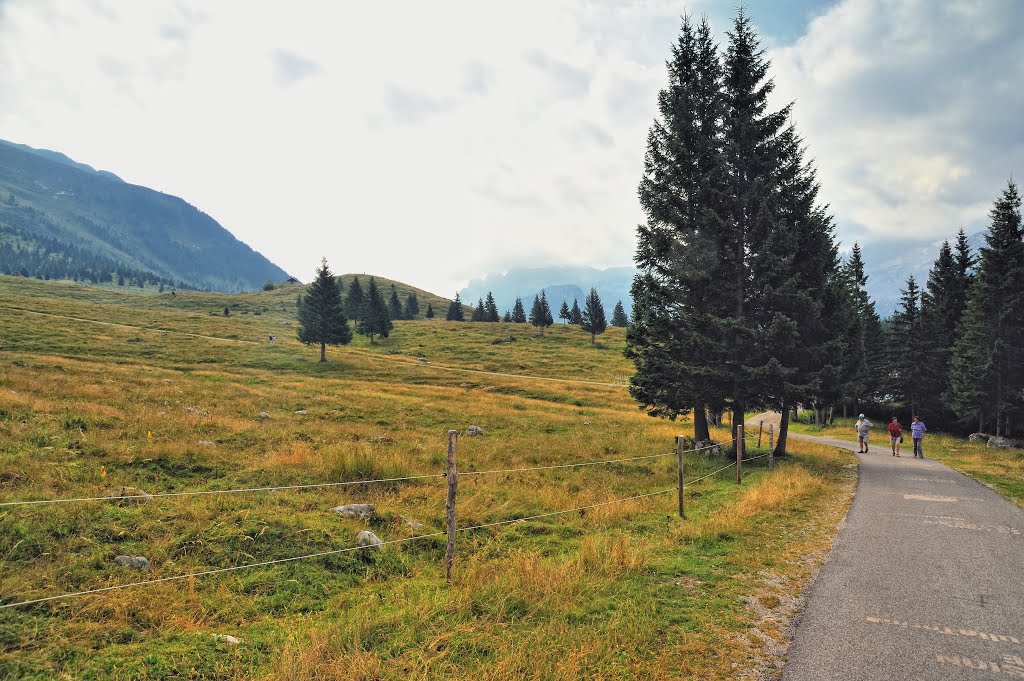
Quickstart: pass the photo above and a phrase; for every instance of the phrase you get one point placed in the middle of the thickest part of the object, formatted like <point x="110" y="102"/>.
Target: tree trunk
<point x="737" y="417"/>
<point x="323" y="352"/>
<point x="700" y="422"/>
<point x="796" y="414"/>
<point x="844" y="410"/>
<point x="592" y="337"/>
<point x="780" y="444"/>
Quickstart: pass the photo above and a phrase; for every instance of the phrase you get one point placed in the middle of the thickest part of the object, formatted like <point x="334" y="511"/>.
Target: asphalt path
<point x="925" y="580"/>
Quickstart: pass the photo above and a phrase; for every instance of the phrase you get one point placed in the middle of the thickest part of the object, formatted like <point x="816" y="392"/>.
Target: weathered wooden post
<point x="739" y="453"/>
<point x="771" y="436"/>
<point x="760" y="429"/>
<point x="453" y="489"/>
<point x="682" y="484"/>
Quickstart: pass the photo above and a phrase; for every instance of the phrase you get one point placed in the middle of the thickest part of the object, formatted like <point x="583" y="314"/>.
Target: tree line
<point x="741" y="300"/>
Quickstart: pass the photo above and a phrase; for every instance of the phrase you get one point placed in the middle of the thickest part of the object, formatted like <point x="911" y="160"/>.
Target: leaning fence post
<point x="771" y="436"/>
<point x="739" y="453"/>
<point x="679" y="455"/>
<point x="760" y="429"/>
<point x="453" y="488"/>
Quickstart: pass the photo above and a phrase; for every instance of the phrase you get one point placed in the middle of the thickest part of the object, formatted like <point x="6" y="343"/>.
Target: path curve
<point x="925" y="580"/>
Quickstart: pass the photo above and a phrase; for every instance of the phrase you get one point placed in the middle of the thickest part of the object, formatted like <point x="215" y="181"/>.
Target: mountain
<point x="558" y="283"/>
<point x="64" y="219"/>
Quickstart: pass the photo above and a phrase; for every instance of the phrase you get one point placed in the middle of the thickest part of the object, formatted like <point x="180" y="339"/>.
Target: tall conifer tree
<point x="455" y="311"/>
<point x="575" y="315"/>
<point x="376" y="319"/>
<point x="322" y="313"/>
<point x="563" y="312"/>
<point x="593" y="315"/>
<point x="412" y="307"/>
<point x="354" y="301"/>
<point x="394" y="304"/>
<point x="619" y="317"/>
<point x="491" y="309"/>
<point x="519" y="312"/>
<point x="906" y="351"/>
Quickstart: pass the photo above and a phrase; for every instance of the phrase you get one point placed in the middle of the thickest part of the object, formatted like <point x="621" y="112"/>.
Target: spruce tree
<point x="519" y="312"/>
<point x="593" y="315"/>
<point x="548" y="317"/>
<point x="906" y="352"/>
<point x="354" y="301"/>
<point x="866" y="365"/>
<point x="987" y="374"/>
<point x="681" y="290"/>
<point x="491" y="309"/>
<point x="507" y="318"/>
<point x="575" y="316"/>
<point x="479" y="313"/>
<point x="394" y="304"/>
<point x="430" y="311"/>
<point x="563" y="312"/>
<point x="376" y="319"/>
<point x="455" y="312"/>
<point x="540" y="313"/>
<point x="619" y="317"/>
<point x="322" y="314"/>
<point x="412" y="307"/>
<point x="941" y="311"/>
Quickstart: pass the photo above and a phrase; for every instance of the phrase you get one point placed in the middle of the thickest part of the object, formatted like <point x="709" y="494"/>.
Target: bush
<point x="269" y="285"/>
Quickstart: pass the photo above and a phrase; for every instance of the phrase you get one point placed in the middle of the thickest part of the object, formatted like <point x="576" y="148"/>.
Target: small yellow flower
<point x="149" y="434"/>
<point x="103" y="472"/>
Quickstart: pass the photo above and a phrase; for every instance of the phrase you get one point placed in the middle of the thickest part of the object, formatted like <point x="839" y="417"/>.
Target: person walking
<point x="895" y="435"/>
<point x="863" y="429"/>
<point x="917" y="431"/>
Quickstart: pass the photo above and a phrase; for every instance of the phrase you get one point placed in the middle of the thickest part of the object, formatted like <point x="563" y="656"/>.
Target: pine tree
<point x="412" y="307"/>
<point x="394" y="304"/>
<point x="354" y="301"/>
<point x="519" y="312"/>
<point x="375" y="319"/>
<point x="906" y="351"/>
<point x="677" y="339"/>
<point x="322" y="314"/>
<point x="563" y="312"/>
<point x="479" y="313"/>
<point x="575" y="316"/>
<point x="987" y="374"/>
<point x="540" y="313"/>
<point x="866" y="368"/>
<point x="593" y="315"/>
<point x="455" y="312"/>
<point x="430" y="311"/>
<point x="507" y="318"/>
<point x="491" y="309"/>
<point x="941" y="311"/>
<point x="619" y="317"/>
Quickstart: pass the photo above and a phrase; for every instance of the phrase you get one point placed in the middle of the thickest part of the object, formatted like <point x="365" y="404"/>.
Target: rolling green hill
<point x="62" y="219"/>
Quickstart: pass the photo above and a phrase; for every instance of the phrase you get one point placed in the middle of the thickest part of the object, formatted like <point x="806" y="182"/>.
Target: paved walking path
<point x="925" y="581"/>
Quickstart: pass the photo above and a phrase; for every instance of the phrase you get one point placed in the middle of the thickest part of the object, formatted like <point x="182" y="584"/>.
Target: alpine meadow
<point x="463" y="450"/>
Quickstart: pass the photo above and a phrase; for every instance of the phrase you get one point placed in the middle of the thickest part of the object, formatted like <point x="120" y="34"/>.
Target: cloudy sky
<point x="433" y="142"/>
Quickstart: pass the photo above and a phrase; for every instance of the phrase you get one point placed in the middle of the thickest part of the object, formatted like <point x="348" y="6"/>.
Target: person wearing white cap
<point x="863" y="428"/>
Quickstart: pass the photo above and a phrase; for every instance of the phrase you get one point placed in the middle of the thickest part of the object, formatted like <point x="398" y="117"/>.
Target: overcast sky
<point x="433" y="142"/>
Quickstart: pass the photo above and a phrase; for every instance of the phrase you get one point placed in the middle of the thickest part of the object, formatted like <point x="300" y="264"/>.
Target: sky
<point x="437" y="142"/>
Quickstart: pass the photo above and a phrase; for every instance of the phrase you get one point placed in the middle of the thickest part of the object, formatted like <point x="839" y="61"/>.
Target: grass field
<point x="622" y="591"/>
<point x="1000" y="469"/>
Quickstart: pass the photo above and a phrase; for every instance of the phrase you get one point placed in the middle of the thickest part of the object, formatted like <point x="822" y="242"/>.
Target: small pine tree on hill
<point x="548" y="318"/>
<point x="490" y="309"/>
<point x="455" y="311"/>
<point x="321" y="313"/>
<point x="593" y="315"/>
<point x="354" y="301"/>
<point x="395" y="305"/>
<point x="412" y="307"/>
<point x="540" y="313"/>
<point x="507" y="318"/>
<point x="575" y="316"/>
<point x="564" y="313"/>
<point x="430" y="311"/>
<point x="479" y="313"/>
<point x="619" y="317"/>
<point x="519" y="312"/>
<point x="376" y="319"/>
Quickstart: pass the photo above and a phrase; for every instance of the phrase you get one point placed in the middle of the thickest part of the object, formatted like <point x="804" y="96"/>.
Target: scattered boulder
<point x="369" y="540"/>
<point x="1005" y="442"/>
<point x="423" y="359"/>
<point x="301" y="412"/>
<point x="19" y="363"/>
<point x="264" y="415"/>
<point x="135" y="495"/>
<point x="411" y="524"/>
<point x="225" y="638"/>
<point x="473" y="431"/>
<point x="206" y="443"/>
<point x="197" y="412"/>
<point x="979" y="437"/>
<point x="357" y="511"/>
<point x="708" y="448"/>
<point x="137" y="562"/>
<point x="382" y="440"/>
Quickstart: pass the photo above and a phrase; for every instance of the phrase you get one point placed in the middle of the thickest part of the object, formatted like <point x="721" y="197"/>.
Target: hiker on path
<point x="917" y="430"/>
<point x="863" y="428"/>
<point x="895" y="435"/>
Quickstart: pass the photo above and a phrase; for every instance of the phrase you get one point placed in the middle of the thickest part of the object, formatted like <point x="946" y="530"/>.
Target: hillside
<point x="439" y="303"/>
<point x="62" y="219"/>
<point x="103" y="388"/>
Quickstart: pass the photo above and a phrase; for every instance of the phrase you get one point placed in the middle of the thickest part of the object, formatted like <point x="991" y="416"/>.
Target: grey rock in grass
<point x="301" y="412"/>
<point x="979" y="437"/>
<point x="411" y="524"/>
<point x="137" y="562"/>
<point x="136" y="495"/>
<point x="474" y="430"/>
<point x="1005" y="442"/>
<point x="197" y="412"/>
<point x="369" y="540"/>
<point x="358" y="511"/>
<point x="206" y="443"/>
<point x="423" y="359"/>
<point x="226" y="638"/>
<point x="708" y="448"/>
<point x="264" y="415"/>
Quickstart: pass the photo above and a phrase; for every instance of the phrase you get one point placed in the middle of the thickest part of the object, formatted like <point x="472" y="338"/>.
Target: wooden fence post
<point x="739" y="453"/>
<point x="453" y="488"/>
<point x="760" y="429"/>
<point x="771" y="436"/>
<point x="682" y="484"/>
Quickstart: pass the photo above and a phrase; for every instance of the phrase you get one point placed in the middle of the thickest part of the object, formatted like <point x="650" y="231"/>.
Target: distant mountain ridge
<point x="53" y="208"/>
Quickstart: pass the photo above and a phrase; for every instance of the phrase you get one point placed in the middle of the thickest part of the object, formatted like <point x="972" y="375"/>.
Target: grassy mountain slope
<point x="439" y="303"/>
<point x="43" y="197"/>
<point x="621" y="591"/>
